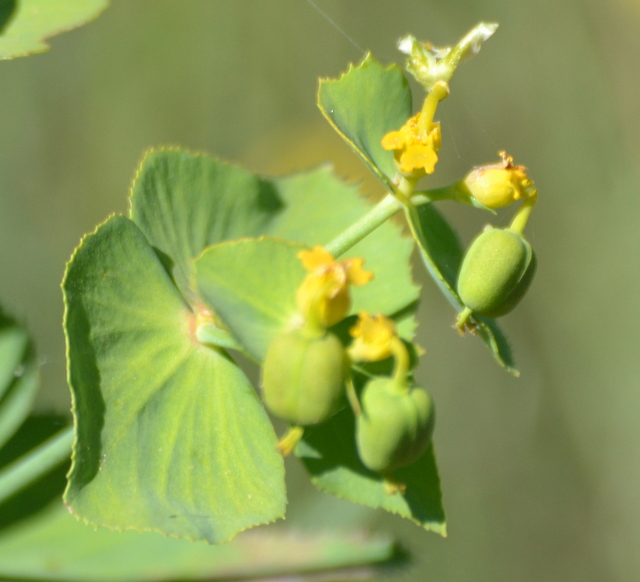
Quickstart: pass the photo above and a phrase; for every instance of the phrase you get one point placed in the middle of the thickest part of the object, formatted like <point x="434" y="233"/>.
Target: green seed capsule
<point x="303" y="378"/>
<point x="395" y="426"/>
<point x="496" y="272"/>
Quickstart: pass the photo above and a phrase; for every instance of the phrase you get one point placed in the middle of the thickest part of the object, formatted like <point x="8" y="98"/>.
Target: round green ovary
<point x="496" y="272"/>
<point x="303" y="378"/>
<point x="395" y="427"/>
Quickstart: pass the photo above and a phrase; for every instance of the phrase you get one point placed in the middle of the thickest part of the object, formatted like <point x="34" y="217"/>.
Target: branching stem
<point x="379" y="214"/>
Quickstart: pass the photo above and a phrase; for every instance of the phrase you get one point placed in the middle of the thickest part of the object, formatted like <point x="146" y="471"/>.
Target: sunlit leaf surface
<point x="185" y="202"/>
<point x="170" y="435"/>
<point x="363" y="105"/>
<point x="251" y="284"/>
<point x="25" y="25"/>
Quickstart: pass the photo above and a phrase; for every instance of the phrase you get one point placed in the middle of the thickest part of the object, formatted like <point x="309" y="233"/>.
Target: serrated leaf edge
<point x="440" y="531"/>
<point x="368" y="60"/>
<point x="69" y="504"/>
<point x="178" y="150"/>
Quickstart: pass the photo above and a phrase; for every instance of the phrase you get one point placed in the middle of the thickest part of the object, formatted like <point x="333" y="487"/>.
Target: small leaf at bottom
<point x="329" y="454"/>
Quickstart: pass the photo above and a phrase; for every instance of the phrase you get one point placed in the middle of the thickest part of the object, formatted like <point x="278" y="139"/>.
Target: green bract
<point x="395" y="426"/>
<point x="303" y="377"/>
<point x="496" y="272"/>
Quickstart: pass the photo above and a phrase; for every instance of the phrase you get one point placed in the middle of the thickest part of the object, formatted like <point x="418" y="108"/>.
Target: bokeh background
<point x="541" y="474"/>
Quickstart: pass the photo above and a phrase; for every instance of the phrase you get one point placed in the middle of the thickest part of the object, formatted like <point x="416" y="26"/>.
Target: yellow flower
<point x="415" y="146"/>
<point x="374" y="338"/>
<point x="500" y="184"/>
<point x="323" y="297"/>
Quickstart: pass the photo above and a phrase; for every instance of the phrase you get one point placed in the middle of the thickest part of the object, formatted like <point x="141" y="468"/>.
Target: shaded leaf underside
<point x="80" y="554"/>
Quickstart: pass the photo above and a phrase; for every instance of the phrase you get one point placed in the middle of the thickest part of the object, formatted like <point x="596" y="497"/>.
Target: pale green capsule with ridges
<point x="303" y="377"/>
<point x="395" y="425"/>
<point x="496" y="272"/>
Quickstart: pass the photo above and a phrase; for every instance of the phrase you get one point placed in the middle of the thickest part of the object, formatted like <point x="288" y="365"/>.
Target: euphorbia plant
<point x="298" y="274"/>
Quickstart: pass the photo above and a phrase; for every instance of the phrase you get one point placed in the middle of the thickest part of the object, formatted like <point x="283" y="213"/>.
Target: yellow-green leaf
<point x="25" y="25"/>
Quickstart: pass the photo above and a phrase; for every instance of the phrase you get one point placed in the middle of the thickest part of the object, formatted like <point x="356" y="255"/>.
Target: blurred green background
<point x="541" y="474"/>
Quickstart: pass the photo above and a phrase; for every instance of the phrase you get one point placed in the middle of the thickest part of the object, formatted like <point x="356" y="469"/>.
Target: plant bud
<point x="501" y="184"/>
<point x="303" y="377"/>
<point x="324" y="298"/>
<point x="496" y="272"/>
<point x="395" y="426"/>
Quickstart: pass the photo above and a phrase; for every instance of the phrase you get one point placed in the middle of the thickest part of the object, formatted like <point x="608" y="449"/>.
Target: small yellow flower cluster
<point x="415" y="146"/>
<point x="500" y="184"/>
<point x="374" y="338"/>
<point x="323" y="297"/>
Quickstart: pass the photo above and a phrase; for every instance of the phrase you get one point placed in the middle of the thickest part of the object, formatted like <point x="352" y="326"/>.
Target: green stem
<point x="35" y="463"/>
<point x="522" y="216"/>
<point x="352" y="396"/>
<point x="457" y="192"/>
<point x="392" y="202"/>
<point x="463" y="318"/>
<point x="289" y="441"/>
<point x="402" y="363"/>
<point x="439" y="92"/>
<point x="406" y="186"/>
<point x="379" y="214"/>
